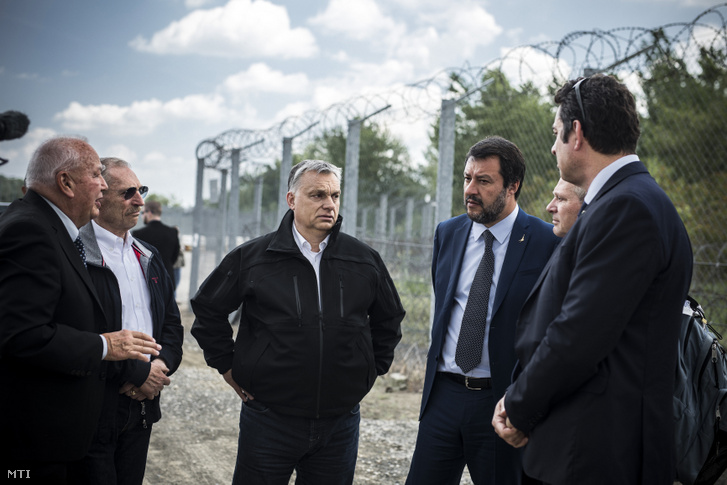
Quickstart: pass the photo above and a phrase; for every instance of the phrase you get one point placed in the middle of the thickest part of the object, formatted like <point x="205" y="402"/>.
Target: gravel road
<point x="195" y="443"/>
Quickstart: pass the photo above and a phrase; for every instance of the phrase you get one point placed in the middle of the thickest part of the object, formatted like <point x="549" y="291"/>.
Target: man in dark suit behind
<point x="457" y="403"/>
<point x="597" y="337"/>
<point x="164" y="238"/>
<point x="51" y="353"/>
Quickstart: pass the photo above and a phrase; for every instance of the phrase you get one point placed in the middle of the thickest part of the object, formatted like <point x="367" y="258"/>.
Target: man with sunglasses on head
<point x="52" y="358"/>
<point x="137" y="293"/>
<point x="159" y="235"/>
<point x="597" y="337"/>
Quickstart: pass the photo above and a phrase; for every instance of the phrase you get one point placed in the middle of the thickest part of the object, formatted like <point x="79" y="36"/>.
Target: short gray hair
<point x="59" y="154"/>
<point x="318" y="166"/>
<point x="112" y="162"/>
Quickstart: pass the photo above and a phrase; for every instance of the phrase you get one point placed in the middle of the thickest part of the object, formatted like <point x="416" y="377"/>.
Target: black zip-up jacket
<point x="290" y="355"/>
<point x="167" y="324"/>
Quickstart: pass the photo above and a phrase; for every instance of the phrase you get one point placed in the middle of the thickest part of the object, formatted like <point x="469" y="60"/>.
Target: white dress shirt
<point x="474" y="251"/>
<point x="606" y="173"/>
<point x="310" y="255"/>
<point x="120" y="258"/>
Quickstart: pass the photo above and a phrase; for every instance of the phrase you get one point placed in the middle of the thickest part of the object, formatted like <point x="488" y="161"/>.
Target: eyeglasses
<point x="131" y="192"/>
<point x="577" y="88"/>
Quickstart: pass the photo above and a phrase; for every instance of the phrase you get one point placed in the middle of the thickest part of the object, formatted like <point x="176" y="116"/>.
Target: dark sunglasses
<point x="131" y="192"/>
<point x="577" y="88"/>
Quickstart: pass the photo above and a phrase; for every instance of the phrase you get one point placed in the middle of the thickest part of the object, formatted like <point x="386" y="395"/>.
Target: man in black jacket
<point x="164" y="238"/>
<point x="320" y="320"/>
<point x="137" y="293"/>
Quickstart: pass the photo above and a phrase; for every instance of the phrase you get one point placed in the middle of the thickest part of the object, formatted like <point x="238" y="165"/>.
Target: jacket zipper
<point x="340" y="281"/>
<point x="297" y="301"/>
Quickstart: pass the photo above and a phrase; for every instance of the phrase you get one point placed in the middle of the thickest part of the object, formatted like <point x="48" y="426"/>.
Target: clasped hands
<point x="505" y="429"/>
<point x="152" y="386"/>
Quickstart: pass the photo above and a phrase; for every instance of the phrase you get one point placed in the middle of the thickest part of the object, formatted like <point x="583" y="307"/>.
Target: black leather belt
<point x="472" y="383"/>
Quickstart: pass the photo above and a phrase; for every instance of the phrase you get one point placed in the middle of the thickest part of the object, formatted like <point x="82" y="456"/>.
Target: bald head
<point x="67" y="171"/>
<point x="567" y="201"/>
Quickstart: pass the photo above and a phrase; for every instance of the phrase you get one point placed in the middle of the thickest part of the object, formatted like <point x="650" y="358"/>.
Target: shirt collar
<point x="303" y="243"/>
<point x="606" y="173"/>
<point x="67" y="222"/>
<point x="501" y="230"/>
<point x="109" y="240"/>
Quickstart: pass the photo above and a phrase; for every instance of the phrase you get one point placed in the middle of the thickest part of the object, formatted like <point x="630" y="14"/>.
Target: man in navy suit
<point x="597" y="337"/>
<point x="457" y="402"/>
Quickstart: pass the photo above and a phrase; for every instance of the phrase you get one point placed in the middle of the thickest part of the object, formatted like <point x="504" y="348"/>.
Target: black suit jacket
<point x="531" y="243"/>
<point x="51" y="372"/>
<point x="165" y="239"/>
<point x="597" y="342"/>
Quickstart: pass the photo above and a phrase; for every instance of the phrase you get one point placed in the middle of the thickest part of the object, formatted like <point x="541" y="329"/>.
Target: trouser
<point x="272" y="445"/>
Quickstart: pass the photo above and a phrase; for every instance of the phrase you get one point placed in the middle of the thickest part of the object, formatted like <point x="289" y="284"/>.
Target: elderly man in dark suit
<point x="472" y="354"/>
<point x="597" y="337"/>
<point x="51" y="354"/>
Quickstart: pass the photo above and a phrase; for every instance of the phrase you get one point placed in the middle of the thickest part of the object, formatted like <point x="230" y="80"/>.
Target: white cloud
<point x="525" y="64"/>
<point x="239" y="29"/>
<point x="260" y="77"/>
<point x="121" y="151"/>
<point x="143" y="117"/>
<point x="435" y="33"/>
<point x="357" y="19"/>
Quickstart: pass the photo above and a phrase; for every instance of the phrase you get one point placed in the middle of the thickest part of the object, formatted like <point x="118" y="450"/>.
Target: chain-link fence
<point x="677" y="74"/>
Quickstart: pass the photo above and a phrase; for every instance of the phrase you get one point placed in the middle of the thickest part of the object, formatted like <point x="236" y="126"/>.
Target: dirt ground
<point x="196" y="440"/>
<point x="195" y="443"/>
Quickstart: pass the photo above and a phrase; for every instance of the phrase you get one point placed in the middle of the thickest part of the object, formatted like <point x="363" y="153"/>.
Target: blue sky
<point x="147" y="80"/>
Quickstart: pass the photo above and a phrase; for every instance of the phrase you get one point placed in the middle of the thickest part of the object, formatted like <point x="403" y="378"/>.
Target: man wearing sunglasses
<point x="52" y="357"/>
<point x="138" y="294"/>
<point x="597" y="337"/>
<point x="159" y="235"/>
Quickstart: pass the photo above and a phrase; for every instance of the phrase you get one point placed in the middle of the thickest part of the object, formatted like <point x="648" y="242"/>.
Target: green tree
<point x="10" y="188"/>
<point x="520" y="115"/>
<point x="384" y="163"/>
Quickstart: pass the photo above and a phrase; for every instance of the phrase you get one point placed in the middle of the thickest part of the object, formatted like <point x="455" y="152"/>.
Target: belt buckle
<point x="467" y="384"/>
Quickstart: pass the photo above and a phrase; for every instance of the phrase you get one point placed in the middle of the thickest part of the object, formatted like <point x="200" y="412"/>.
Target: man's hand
<point x="153" y="385"/>
<point x="244" y="395"/>
<point x="157" y="379"/>
<point x="126" y="344"/>
<point x="133" y="392"/>
<point x="505" y="429"/>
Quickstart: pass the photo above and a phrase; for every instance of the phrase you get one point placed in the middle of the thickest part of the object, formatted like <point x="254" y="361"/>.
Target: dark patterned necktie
<point x="81" y="250"/>
<point x="472" y="332"/>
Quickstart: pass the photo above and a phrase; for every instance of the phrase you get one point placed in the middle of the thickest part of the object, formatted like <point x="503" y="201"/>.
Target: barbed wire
<point x="623" y="49"/>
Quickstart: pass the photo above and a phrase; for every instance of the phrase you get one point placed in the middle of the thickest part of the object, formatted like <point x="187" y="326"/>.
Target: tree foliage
<point x="684" y="138"/>
<point x="10" y="188"/>
<point x="516" y="114"/>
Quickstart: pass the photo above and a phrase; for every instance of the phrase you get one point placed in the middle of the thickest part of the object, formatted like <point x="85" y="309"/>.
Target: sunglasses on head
<point x="577" y="89"/>
<point x="131" y="192"/>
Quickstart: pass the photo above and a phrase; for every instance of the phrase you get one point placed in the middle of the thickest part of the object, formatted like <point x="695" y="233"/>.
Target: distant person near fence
<point x="164" y="238"/>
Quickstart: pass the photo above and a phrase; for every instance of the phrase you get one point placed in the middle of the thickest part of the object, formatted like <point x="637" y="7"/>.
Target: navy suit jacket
<point x="597" y="342"/>
<point x="531" y="243"/>
<point x="51" y="372"/>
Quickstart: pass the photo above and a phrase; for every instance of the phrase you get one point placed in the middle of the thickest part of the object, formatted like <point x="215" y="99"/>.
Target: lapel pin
<point x="522" y="238"/>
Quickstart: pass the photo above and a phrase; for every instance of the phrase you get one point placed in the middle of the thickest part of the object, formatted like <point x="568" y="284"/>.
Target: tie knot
<point x="489" y="238"/>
